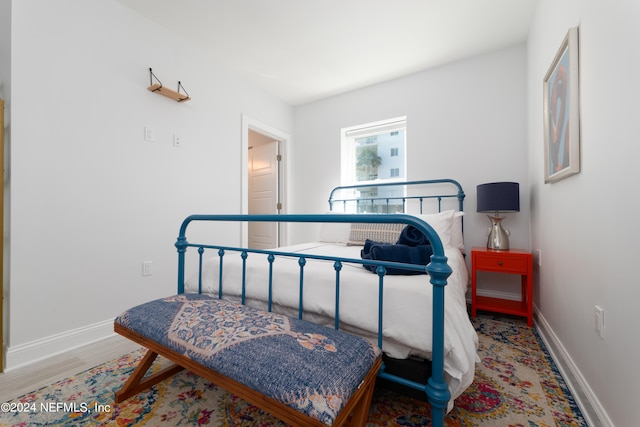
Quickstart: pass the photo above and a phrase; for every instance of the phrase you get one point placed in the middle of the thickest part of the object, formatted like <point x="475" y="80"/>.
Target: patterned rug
<point x="516" y="384"/>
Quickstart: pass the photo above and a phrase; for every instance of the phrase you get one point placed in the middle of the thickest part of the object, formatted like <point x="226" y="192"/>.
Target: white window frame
<point x="348" y="160"/>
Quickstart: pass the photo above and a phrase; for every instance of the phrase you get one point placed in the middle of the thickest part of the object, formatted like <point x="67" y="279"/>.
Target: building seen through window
<point x="375" y="153"/>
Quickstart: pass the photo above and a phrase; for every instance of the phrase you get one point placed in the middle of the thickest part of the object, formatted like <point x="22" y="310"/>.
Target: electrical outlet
<point x="539" y="257"/>
<point x="148" y="134"/>
<point x="177" y="141"/>
<point x="599" y="321"/>
<point x="147" y="268"/>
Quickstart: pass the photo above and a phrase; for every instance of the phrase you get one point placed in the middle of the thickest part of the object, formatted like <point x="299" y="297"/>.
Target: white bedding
<point x="407" y="301"/>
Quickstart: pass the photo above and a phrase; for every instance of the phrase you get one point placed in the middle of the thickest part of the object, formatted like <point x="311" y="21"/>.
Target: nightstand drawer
<point x="499" y="263"/>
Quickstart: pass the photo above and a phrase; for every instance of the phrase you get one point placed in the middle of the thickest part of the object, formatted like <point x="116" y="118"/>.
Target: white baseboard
<point x="25" y="354"/>
<point x="591" y="408"/>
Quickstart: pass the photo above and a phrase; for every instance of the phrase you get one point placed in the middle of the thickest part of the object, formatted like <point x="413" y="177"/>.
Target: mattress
<point x="407" y="321"/>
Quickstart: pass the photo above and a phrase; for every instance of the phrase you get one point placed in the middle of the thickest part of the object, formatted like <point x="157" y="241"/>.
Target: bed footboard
<point x="438" y="271"/>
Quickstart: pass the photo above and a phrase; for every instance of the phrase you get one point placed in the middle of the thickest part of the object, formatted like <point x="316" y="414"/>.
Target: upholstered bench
<point x="302" y="373"/>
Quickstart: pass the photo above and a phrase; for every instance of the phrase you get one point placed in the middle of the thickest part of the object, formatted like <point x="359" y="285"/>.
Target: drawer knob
<point x="500" y="263"/>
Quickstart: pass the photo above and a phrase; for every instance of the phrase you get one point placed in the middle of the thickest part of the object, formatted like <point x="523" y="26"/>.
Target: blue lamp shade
<point x="499" y="197"/>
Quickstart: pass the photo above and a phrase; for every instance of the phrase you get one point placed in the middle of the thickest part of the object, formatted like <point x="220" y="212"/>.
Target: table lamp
<point x="498" y="197"/>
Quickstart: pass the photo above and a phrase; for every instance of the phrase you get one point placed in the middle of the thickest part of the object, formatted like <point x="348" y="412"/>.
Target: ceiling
<point x="304" y="50"/>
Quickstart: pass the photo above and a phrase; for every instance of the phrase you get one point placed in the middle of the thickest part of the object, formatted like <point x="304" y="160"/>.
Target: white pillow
<point x="457" y="238"/>
<point x="442" y="223"/>
<point x="448" y="225"/>
<point x="335" y="232"/>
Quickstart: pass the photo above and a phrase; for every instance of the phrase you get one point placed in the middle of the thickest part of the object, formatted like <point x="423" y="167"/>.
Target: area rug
<point x="516" y="384"/>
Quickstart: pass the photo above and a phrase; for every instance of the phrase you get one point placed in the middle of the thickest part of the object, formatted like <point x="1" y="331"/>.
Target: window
<point x="375" y="153"/>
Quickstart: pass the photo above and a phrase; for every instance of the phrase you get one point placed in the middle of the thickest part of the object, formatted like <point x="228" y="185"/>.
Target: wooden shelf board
<point x="497" y="305"/>
<point x="176" y="96"/>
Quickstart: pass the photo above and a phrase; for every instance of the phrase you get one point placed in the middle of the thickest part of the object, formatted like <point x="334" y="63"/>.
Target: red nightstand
<point x="513" y="261"/>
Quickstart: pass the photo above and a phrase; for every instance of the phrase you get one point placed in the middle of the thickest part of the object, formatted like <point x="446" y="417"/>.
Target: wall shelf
<point x="165" y="91"/>
<point x="176" y="96"/>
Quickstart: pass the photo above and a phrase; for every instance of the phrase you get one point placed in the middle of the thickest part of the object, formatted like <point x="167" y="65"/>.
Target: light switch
<point x="148" y="134"/>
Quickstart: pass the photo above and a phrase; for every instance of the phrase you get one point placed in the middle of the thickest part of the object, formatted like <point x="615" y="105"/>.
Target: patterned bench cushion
<point x="311" y="368"/>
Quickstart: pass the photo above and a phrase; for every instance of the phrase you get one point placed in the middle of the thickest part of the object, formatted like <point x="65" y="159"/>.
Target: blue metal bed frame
<point x="459" y="194"/>
<point x="438" y="270"/>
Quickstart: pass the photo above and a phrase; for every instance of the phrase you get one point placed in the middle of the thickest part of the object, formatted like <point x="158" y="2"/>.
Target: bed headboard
<point x="396" y="197"/>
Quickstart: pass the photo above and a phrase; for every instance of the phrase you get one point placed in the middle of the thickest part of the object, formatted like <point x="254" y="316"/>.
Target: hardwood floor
<point x="31" y="377"/>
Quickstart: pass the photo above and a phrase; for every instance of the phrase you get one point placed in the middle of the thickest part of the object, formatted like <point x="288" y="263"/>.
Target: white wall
<point x="465" y="121"/>
<point x="91" y="200"/>
<point x="586" y="225"/>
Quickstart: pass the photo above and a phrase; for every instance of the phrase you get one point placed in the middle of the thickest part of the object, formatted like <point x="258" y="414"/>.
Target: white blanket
<point x="406" y="307"/>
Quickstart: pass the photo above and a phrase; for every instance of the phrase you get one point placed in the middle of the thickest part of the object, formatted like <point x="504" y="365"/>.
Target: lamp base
<point x="498" y="237"/>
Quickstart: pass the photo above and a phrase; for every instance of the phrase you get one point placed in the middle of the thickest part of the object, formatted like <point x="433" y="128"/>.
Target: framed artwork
<point x="562" y="112"/>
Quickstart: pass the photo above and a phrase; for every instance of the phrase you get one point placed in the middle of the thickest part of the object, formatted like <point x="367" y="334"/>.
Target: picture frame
<point x="561" y="99"/>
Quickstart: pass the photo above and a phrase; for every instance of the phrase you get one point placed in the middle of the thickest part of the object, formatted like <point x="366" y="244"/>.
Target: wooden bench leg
<point x="357" y="408"/>
<point x="360" y="413"/>
<point x="137" y="381"/>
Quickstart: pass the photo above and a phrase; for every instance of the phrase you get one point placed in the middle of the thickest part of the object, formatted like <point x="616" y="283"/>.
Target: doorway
<point x="264" y="196"/>
<point x="264" y="182"/>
